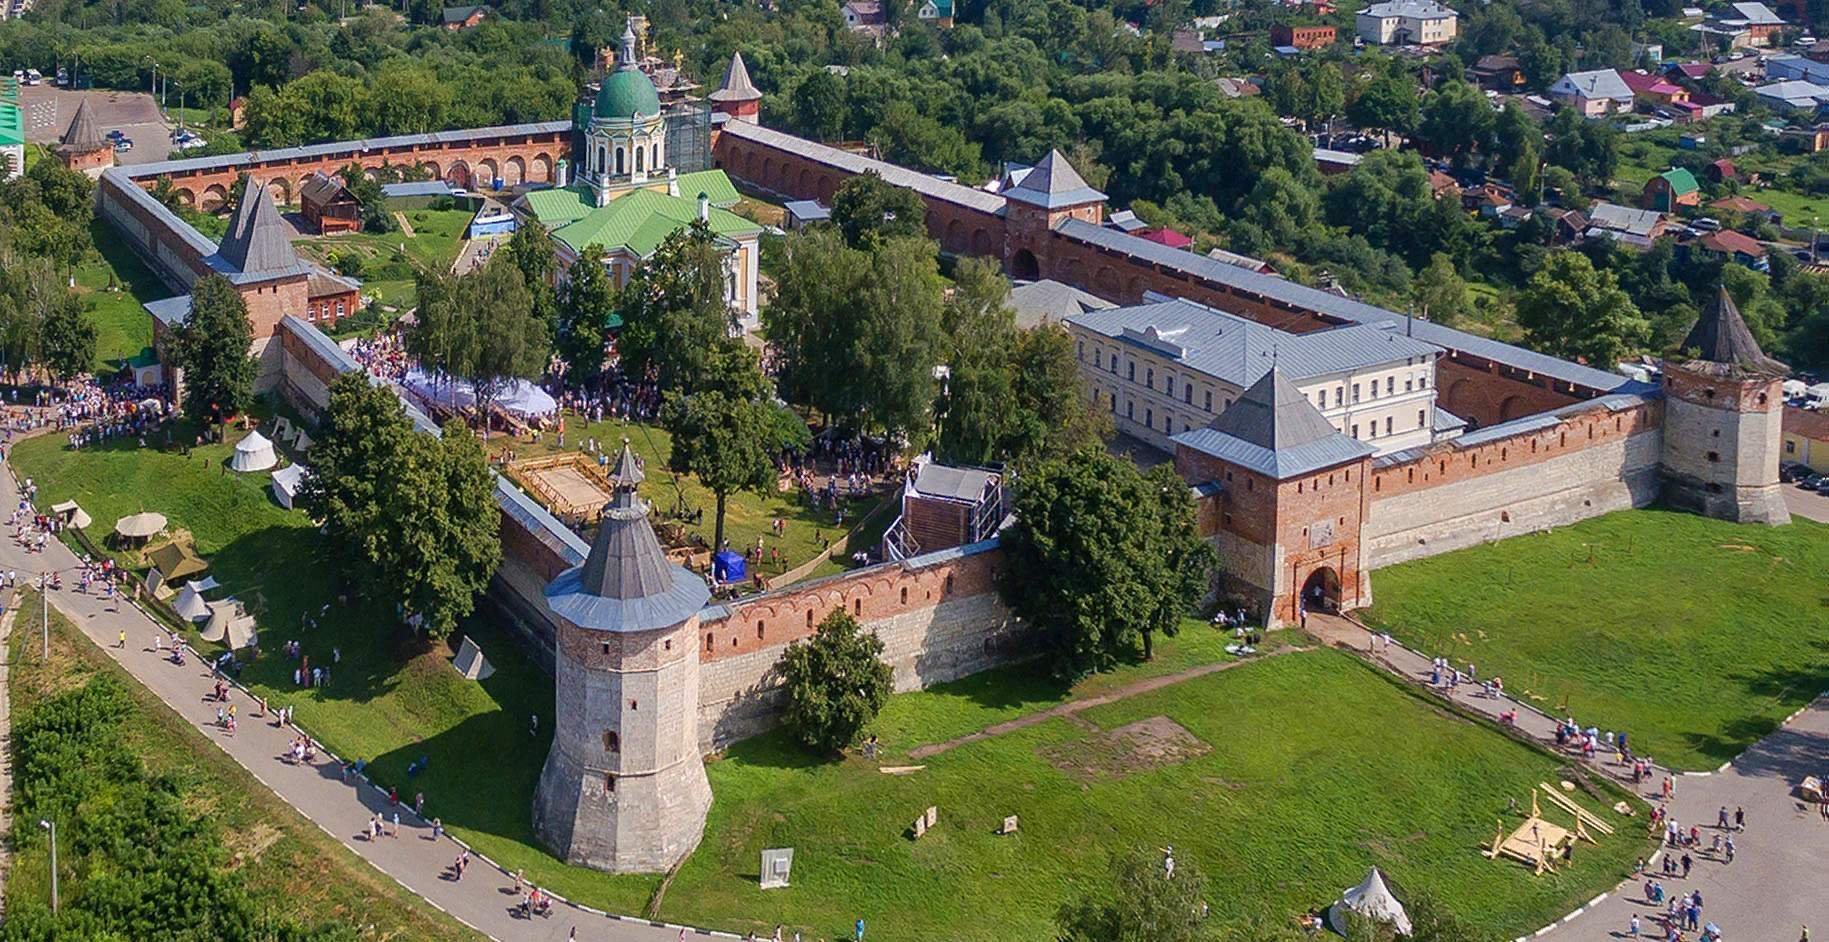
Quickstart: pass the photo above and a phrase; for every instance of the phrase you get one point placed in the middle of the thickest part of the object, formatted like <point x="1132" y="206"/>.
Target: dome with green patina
<point x="626" y="93"/>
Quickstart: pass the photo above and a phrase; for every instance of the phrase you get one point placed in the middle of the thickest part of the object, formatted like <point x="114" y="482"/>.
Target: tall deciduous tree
<point x="870" y="211"/>
<point x="413" y="514"/>
<point x="212" y="348"/>
<point x="67" y="340"/>
<point x="1456" y="120"/>
<point x="1102" y="557"/>
<point x="677" y="308"/>
<point x="728" y="430"/>
<point x="586" y="303"/>
<point x="481" y="327"/>
<point x="1570" y="310"/>
<point x="836" y="682"/>
<point x="1146" y="903"/>
<point x="1439" y="294"/>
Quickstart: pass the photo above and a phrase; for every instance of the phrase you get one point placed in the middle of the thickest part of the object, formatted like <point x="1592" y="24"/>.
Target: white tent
<point x="253" y="453"/>
<point x="1373" y="900"/>
<point x="190" y="604"/>
<point x="229" y="625"/>
<point x="286" y="483"/>
<point x="72" y="514"/>
<point x="519" y="397"/>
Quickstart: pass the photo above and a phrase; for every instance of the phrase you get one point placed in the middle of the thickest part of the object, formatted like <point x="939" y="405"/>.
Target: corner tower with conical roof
<point x="1723" y="417"/>
<point x="624" y="786"/>
<point x="82" y="146"/>
<point x="738" y="97"/>
<point x="1036" y="201"/>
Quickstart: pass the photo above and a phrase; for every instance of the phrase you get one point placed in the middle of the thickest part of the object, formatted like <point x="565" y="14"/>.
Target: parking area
<point x="1809" y="505"/>
<point x="48" y="111"/>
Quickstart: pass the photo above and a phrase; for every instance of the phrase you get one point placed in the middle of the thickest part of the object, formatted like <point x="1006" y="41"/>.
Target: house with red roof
<point x="1163" y="235"/>
<point x="1654" y="89"/>
<point x="1728" y="245"/>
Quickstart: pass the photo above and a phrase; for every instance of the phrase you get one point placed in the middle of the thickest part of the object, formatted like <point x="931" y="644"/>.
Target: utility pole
<point x="51" y="826"/>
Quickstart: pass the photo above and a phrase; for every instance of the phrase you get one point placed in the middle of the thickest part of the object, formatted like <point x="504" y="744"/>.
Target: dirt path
<point x="1072" y="708"/>
<point x="406" y="228"/>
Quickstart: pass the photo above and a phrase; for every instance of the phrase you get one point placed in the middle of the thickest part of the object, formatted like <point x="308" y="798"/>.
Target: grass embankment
<point x="1695" y="636"/>
<point x="287" y="865"/>
<point x="388" y="259"/>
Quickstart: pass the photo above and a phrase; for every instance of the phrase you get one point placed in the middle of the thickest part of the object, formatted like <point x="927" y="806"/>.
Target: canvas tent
<point x="519" y="397"/>
<point x="176" y="562"/>
<point x="253" y="453"/>
<point x="286" y="483"/>
<point x="71" y="514"/>
<point x="230" y="625"/>
<point x="190" y="604"/>
<point x="1372" y="900"/>
<point x="139" y="526"/>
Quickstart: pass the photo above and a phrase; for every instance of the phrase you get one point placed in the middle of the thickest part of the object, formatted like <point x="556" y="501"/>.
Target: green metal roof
<point x="1681" y="181"/>
<point x="639" y="222"/>
<point x="626" y="93"/>
<point x="12" y="125"/>
<point x="557" y="207"/>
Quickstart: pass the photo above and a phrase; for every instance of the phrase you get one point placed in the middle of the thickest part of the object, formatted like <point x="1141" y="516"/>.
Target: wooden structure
<point x="1537" y="842"/>
<point x="573" y="486"/>
<point x="945" y="507"/>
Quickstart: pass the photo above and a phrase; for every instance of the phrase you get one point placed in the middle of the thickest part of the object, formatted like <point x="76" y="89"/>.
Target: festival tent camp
<point x="139" y="526"/>
<point x="230" y="625"/>
<point x="190" y="604"/>
<point x="253" y="453"/>
<point x="1373" y="900"/>
<point x="286" y="482"/>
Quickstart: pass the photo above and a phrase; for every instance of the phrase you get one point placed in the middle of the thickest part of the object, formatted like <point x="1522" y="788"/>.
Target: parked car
<point x="1705" y="224"/>
<point x="124" y="144"/>
<point x="192" y="143"/>
<point x="115" y="134"/>
<point x="1811" y="482"/>
<point x="34" y="77"/>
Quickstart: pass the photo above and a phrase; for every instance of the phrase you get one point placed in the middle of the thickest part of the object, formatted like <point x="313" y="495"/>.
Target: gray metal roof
<point x="1594" y="84"/>
<point x="1332" y="305"/>
<point x="120" y="182"/>
<point x="950" y="483"/>
<point x="1720" y="335"/>
<point x="1445" y="421"/>
<point x="349" y="149"/>
<point x="626" y="583"/>
<point x="1418" y="9"/>
<point x="921" y="183"/>
<point x="172" y="312"/>
<point x="1637" y="395"/>
<point x="1274" y="430"/>
<point x="737" y="86"/>
<point x="417" y="188"/>
<point x="1053" y="184"/>
<point x="258" y="242"/>
<point x="807" y="210"/>
<point x="1040" y="302"/>
<point x="1757" y="14"/>
<point x="1238" y="350"/>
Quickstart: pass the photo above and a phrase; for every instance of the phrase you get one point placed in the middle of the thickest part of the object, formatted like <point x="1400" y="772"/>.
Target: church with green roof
<point x="625" y="197"/>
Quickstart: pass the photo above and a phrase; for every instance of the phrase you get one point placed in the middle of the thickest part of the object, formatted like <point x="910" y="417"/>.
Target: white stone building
<point x="1407" y="23"/>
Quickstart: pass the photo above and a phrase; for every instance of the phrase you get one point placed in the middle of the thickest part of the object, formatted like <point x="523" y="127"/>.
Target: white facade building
<point x="1407" y="23"/>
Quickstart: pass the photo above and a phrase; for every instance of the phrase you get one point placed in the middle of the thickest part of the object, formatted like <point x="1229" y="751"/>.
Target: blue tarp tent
<point x="728" y="566"/>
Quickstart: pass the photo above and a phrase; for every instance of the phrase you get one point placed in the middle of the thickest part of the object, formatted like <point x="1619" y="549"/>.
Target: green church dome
<point x="626" y="92"/>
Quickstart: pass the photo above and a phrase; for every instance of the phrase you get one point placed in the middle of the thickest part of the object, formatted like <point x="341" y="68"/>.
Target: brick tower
<point x="1035" y="201"/>
<point x="738" y="97"/>
<point x="624" y="786"/>
<point x="1722" y="416"/>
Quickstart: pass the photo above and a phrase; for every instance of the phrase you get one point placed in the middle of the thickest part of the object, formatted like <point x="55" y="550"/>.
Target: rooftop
<point x="1598" y="83"/>
<point x="1274" y="430"/>
<point x="1048" y="301"/>
<point x="1053" y="184"/>
<point x="1416" y="9"/>
<point x="921" y="183"/>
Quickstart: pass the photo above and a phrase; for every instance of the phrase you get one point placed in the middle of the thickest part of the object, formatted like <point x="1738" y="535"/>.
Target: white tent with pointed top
<point x="1373" y="900"/>
<point x="229" y="624"/>
<point x="286" y="483"/>
<point x="470" y="661"/>
<point x="253" y="453"/>
<point x="190" y="604"/>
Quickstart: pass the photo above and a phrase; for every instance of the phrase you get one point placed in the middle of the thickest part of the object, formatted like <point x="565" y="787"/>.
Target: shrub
<point x="836" y="682"/>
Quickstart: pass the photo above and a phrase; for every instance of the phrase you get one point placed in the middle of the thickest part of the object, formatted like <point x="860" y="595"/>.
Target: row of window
<point x="1099" y="361"/>
<point x="1422" y="420"/>
<point x="313" y="309"/>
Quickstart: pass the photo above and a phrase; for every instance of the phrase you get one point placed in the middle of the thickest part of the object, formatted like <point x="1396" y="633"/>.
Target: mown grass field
<point x="1695" y="636"/>
<point x="289" y="865"/>
<point x="113" y="285"/>
<point x="388" y="259"/>
<point x="1316" y="767"/>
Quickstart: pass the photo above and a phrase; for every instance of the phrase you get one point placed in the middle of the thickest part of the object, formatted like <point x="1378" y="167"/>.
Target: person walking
<point x="121" y="642"/>
<point x="1739" y="818"/>
<point x="1687" y="863"/>
<point x="1632" y="927"/>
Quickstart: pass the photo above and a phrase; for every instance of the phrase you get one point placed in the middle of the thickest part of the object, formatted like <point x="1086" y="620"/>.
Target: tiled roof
<point x="1331" y="305"/>
<point x="1053" y="184"/>
<point x="1730" y="242"/>
<point x="737" y="86"/>
<point x="1807" y="423"/>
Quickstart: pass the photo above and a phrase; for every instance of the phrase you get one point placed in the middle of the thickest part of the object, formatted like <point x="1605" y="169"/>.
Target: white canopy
<point x="253" y="453"/>
<point x="140" y="525"/>
<point x="286" y="483"/>
<point x="1373" y="900"/>
<point x="1795" y="387"/>
<point x="229" y="625"/>
<point x="190" y="604"/>
<point x="520" y="397"/>
<point x="204" y="584"/>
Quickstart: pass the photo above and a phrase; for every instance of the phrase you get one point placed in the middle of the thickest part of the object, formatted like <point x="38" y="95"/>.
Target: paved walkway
<point x="1074" y="707"/>
<point x="6" y="754"/>
<point x="1770" y="891"/>
<point x="483" y="900"/>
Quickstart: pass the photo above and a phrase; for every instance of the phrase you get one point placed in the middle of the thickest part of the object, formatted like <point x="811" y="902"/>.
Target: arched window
<point x="639" y="155"/>
<point x="619" y="160"/>
<point x="654" y="158"/>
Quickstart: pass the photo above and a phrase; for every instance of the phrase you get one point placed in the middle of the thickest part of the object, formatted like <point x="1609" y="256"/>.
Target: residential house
<point x="1671" y="189"/>
<point x="1809" y="140"/>
<point x="865" y="16"/>
<point x="1796" y="68"/>
<point x="1751" y="209"/>
<point x="1796" y="98"/>
<point x="1806" y="438"/>
<point x="1728" y="245"/>
<point x="457" y="18"/>
<point x="1238" y="87"/>
<point x="1593" y="94"/>
<point x="1302" y="37"/>
<point x="937" y="12"/>
<point x="1721" y="171"/>
<point x="1163" y="235"/>
<point x="1654" y="90"/>
<point x="1633" y="228"/>
<point x="328" y="206"/>
<point x="1407" y="23"/>
<point x="1498" y="73"/>
<point x="1742" y="26"/>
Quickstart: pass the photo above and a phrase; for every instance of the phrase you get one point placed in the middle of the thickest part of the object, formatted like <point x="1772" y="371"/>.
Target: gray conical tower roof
<point x="1054" y="184"/>
<point x="82" y="135"/>
<point x="1721" y="337"/>
<point x="737" y="86"/>
<point x="258" y="241"/>
<point x="1274" y="430"/>
<point x="626" y="583"/>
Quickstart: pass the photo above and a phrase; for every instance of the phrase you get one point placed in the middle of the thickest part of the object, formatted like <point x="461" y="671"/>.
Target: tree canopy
<point x="835" y="681"/>
<point x="1570" y="310"/>
<point x="728" y="431"/>
<point x="212" y="347"/>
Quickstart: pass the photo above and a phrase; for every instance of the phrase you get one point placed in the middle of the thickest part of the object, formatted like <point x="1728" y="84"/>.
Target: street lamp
<point x="51" y="826"/>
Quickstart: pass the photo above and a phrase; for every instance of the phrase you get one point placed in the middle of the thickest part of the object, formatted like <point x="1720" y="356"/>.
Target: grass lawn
<point x="747" y="516"/>
<point x="113" y="286"/>
<point x="1318" y="768"/>
<point x="289" y="865"/>
<point x="388" y="259"/>
<point x="1695" y="636"/>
